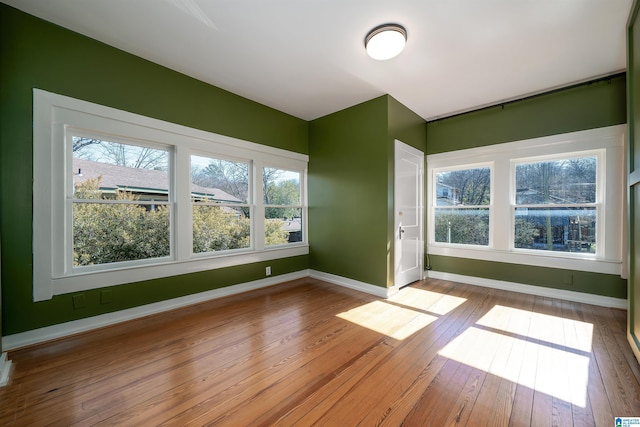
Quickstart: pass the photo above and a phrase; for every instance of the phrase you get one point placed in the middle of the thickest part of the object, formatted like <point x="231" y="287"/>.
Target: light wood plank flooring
<point x="311" y="353"/>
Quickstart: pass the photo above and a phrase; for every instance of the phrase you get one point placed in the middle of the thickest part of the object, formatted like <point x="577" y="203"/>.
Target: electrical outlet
<point x="79" y="301"/>
<point x="268" y="271"/>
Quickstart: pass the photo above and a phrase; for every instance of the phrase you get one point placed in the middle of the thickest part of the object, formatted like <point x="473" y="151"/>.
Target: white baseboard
<point x="23" y="339"/>
<point x="5" y="368"/>
<point x="47" y="333"/>
<point x="581" y="297"/>
<point x="354" y="284"/>
<point x="634" y="347"/>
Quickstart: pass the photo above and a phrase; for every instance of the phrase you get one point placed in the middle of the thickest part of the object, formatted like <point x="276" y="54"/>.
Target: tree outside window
<point x="463" y="198"/>
<point x="221" y="214"/>
<point x="282" y="206"/>
<point x="120" y="202"/>
<point x="555" y="205"/>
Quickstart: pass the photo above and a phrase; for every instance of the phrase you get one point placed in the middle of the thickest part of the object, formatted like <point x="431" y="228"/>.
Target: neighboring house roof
<point x="136" y="180"/>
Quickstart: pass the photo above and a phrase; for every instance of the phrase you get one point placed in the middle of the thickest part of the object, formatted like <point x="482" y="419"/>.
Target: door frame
<point x="633" y="180"/>
<point x="399" y="145"/>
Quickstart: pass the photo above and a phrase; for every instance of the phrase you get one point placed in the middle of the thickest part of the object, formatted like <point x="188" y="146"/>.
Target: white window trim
<point x="52" y="113"/>
<point x="609" y="260"/>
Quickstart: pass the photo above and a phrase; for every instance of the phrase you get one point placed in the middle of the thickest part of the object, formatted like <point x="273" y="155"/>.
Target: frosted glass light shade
<point x="385" y="41"/>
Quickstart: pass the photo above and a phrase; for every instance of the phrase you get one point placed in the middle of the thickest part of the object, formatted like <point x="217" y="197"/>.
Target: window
<point x="120" y="209"/>
<point x="556" y="204"/>
<point x="120" y="198"/>
<point x="221" y="214"/>
<point x="548" y="201"/>
<point x="463" y="199"/>
<point x="282" y="206"/>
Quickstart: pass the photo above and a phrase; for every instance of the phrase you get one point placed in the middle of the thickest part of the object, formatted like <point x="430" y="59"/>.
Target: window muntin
<point x="120" y="202"/>
<point x="556" y="205"/>
<point x="462" y="206"/>
<point x="221" y="213"/>
<point x="282" y="201"/>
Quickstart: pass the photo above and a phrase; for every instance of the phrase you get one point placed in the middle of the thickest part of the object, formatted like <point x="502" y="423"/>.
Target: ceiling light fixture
<point x="385" y="41"/>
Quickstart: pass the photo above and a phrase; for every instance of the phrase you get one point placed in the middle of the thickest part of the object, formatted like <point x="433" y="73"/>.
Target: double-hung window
<point x="120" y="202"/>
<point x="120" y="198"/>
<point x="221" y="219"/>
<point x="462" y="205"/>
<point x="554" y="202"/>
<point x="283" y="209"/>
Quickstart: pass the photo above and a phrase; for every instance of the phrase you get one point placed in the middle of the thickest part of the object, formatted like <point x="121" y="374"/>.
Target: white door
<point x="409" y="247"/>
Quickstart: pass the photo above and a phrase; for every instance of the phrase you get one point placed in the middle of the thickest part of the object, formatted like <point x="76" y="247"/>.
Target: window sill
<point x="99" y="279"/>
<point x="525" y="257"/>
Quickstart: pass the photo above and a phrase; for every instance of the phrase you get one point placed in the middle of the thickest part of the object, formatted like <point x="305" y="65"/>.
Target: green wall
<point x="348" y="192"/>
<point x="633" y="61"/>
<point x="37" y="54"/>
<point x="351" y="187"/>
<point x="581" y="281"/>
<point x="587" y="106"/>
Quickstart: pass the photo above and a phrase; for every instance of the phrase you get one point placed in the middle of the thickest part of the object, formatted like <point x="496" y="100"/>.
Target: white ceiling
<point x="307" y="58"/>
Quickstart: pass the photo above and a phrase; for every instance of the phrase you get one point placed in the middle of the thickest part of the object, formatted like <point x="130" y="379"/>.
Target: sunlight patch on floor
<point x="552" y="329"/>
<point x="388" y="319"/>
<point x="549" y="354"/>
<point x="421" y="299"/>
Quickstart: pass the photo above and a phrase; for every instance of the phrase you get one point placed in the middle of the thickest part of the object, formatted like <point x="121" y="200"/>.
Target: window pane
<point x="106" y="233"/>
<point x="282" y="225"/>
<point x="219" y="180"/>
<point x="556" y="229"/>
<point x="462" y="226"/>
<point x="556" y="182"/>
<point x="101" y="169"/>
<point x="467" y="187"/>
<point x="280" y="187"/>
<point x="220" y="228"/>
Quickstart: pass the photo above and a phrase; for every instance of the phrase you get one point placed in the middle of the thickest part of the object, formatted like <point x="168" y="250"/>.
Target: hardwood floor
<point x="311" y="353"/>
